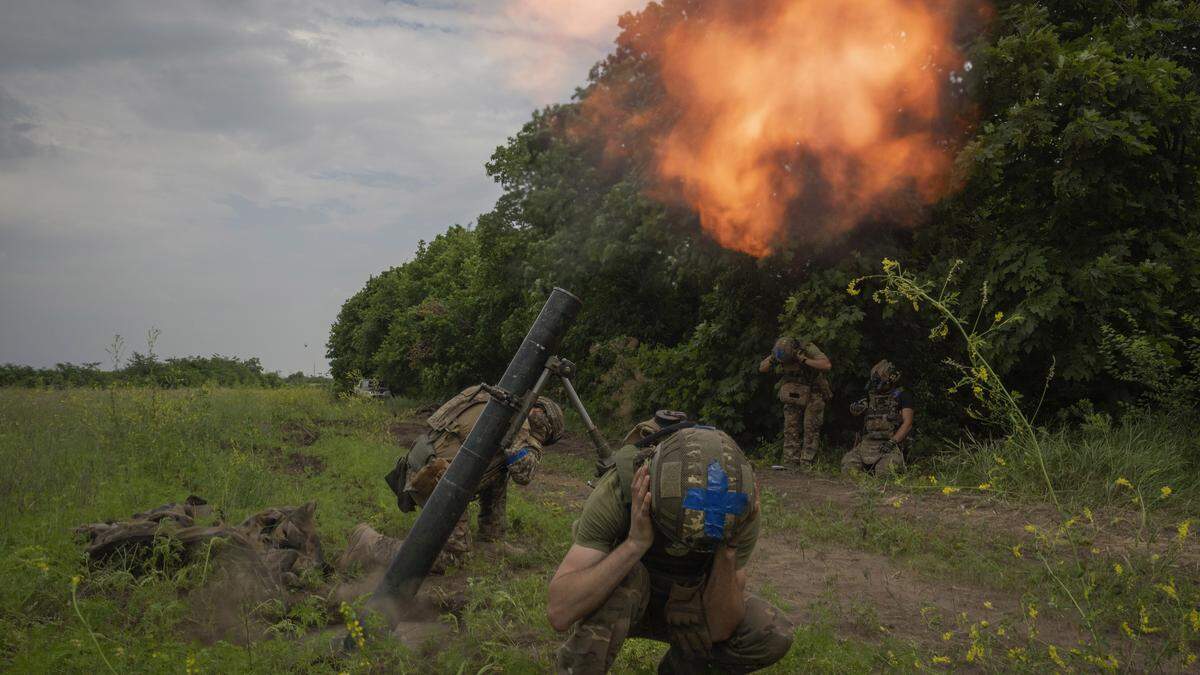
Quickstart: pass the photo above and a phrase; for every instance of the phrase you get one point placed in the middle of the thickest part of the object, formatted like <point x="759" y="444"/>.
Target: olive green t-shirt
<point x="604" y="523"/>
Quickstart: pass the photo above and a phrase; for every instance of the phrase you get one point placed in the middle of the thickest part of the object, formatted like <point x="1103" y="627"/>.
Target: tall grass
<point x="1085" y="463"/>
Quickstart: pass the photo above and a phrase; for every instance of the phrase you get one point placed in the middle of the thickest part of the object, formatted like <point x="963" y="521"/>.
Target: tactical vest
<point x="446" y="417"/>
<point x="796" y="371"/>
<point x="883" y="415"/>
<point x="664" y="567"/>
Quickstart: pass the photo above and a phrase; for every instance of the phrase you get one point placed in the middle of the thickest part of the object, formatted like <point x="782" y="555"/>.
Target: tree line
<point x="1076" y="210"/>
<point x="150" y="371"/>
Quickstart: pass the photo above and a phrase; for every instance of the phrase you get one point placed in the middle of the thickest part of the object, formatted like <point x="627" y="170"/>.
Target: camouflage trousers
<point x="802" y="429"/>
<point x="762" y="638"/>
<point x="868" y="456"/>
<point x="493" y="503"/>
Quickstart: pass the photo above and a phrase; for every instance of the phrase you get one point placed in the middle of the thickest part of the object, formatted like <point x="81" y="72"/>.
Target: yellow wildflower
<point x="932" y="480"/>
<point x="947" y="635"/>
<point x="985" y="486"/>
<point x="1033" y="613"/>
<point x="975" y="652"/>
<point x="1055" y="657"/>
<point x="889" y="264"/>
<point x="1169" y="589"/>
<point x="1191" y="658"/>
<point x="1195" y="619"/>
<point x="999" y="460"/>
<point x="984" y="623"/>
<point x="1124" y="482"/>
<point x="1182" y="531"/>
<point x="999" y="317"/>
<point x="941" y="659"/>
<point x="1095" y="551"/>
<point x="897" y="502"/>
<point x="977" y="390"/>
<point x="75" y="581"/>
<point x="1030" y="528"/>
<point x="949" y="490"/>
<point x="1118" y="568"/>
<point x="1087" y="513"/>
<point x="1016" y="551"/>
<point x="1128" y="631"/>
<point x="1164" y="492"/>
<point x="982" y="373"/>
<point x="852" y="288"/>
<point x="1144" y="623"/>
<point x="1001" y="632"/>
<point x="987" y="604"/>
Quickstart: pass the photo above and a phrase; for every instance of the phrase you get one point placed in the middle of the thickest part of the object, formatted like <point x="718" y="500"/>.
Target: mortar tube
<point x="458" y="486"/>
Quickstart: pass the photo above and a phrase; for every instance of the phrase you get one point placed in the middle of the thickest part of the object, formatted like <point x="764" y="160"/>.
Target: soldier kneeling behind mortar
<point x="659" y="552"/>
<point x="887" y="434"/>
<point x="417" y="474"/>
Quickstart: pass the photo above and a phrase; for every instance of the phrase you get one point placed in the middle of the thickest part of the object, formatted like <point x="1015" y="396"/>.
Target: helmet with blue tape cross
<point x="702" y="487"/>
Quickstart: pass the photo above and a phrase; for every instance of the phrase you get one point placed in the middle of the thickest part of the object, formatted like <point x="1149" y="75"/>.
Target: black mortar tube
<point x="456" y="488"/>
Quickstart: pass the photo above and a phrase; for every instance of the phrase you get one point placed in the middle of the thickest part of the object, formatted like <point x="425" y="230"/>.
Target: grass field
<point x="955" y="567"/>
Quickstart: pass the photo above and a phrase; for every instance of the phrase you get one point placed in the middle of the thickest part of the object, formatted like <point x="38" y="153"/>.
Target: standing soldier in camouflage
<point x="659" y="552"/>
<point x="417" y="474"/>
<point x="888" y="427"/>
<point x="803" y="389"/>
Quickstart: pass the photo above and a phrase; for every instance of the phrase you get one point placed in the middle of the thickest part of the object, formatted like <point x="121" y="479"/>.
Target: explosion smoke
<point x="800" y="117"/>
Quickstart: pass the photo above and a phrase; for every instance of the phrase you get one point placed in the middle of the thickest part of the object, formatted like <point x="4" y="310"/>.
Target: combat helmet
<point x="550" y="425"/>
<point x="702" y="485"/>
<point x="784" y="350"/>
<point x="884" y="376"/>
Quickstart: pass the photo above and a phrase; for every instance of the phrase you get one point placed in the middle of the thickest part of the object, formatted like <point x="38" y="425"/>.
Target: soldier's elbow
<point x="559" y="617"/>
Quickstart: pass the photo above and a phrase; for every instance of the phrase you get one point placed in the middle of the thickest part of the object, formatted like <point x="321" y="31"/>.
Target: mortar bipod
<point x="565" y="370"/>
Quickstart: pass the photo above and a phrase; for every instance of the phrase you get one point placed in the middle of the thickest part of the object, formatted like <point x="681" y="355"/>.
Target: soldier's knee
<point x="764" y="637"/>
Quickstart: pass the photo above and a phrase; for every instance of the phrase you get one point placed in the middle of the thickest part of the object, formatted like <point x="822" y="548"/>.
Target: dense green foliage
<point x="148" y="370"/>
<point x="1076" y="211"/>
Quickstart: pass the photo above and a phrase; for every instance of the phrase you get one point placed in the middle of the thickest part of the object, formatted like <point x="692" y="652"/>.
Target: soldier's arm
<point x="764" y="366"/>
<point x="725" y="595"/>
<point x="586" y="577"/>
<point x="814" y="358"/>
<point x="523" y="457"/>
<point x="906" y="425"/>
<point x="821" y="363"/>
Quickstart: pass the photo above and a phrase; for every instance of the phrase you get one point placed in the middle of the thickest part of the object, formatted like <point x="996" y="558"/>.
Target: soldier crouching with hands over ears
<point x="659" y="552"/>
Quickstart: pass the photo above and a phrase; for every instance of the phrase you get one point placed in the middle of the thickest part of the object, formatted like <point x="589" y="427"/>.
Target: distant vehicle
<point x="370" y="389"/>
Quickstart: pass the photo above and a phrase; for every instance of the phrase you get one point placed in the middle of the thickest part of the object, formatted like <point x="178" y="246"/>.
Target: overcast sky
<point x="231" y="172"/>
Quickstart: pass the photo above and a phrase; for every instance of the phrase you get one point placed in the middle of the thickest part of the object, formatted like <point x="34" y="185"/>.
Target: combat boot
<point x="368" y="549"/>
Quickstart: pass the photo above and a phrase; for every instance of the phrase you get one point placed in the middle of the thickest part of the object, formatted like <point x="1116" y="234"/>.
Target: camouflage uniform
<point x="675" y="570"/>
<point x="804" y="392"/>
<point x="875" y="451"/>
<point x="417" y="474"/>
<point x="634" y="610"/>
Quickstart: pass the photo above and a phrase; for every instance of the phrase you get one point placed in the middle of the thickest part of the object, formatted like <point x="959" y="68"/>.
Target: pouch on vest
<point x="794" y="393"/>
<point x="397" y="478"/>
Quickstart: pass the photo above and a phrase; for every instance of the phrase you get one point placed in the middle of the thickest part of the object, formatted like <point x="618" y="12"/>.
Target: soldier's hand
<point x="641" y="526"/>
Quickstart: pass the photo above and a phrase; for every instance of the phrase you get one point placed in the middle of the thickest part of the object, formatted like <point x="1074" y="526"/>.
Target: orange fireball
<point x="803" y="117"/>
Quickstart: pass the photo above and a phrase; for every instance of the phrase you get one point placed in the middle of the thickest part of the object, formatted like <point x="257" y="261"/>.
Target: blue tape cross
<point x="716" y="501"/>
